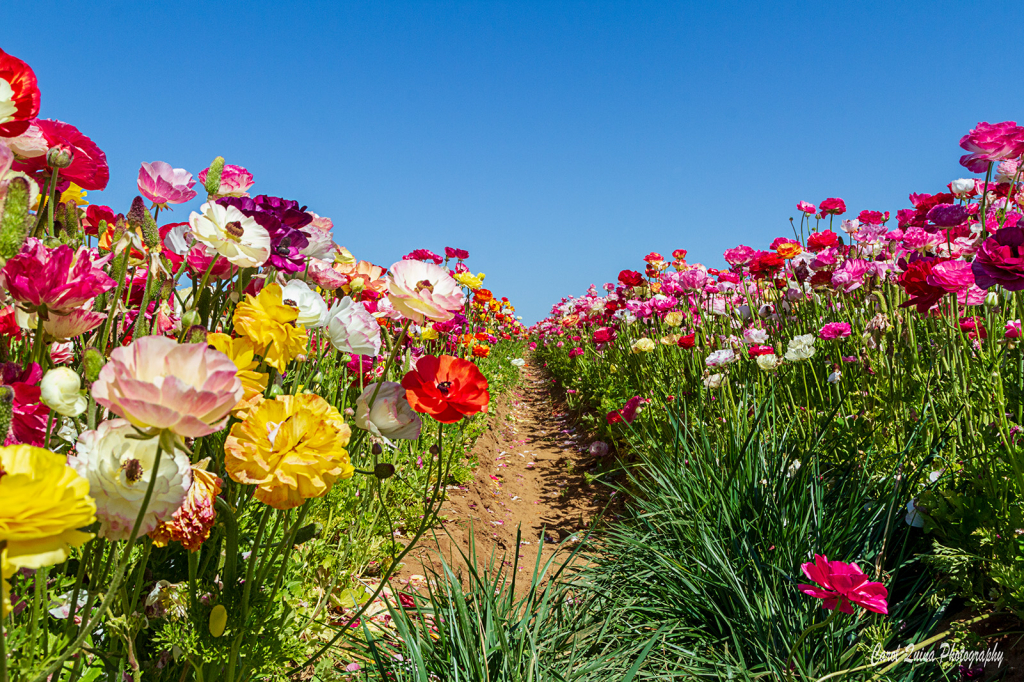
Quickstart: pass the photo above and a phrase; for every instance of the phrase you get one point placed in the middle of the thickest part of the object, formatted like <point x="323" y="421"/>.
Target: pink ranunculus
<point x="59" y="280"/>
<point x="850" y="275"/>
<point x="990" y="142"/>
<point x="235" y="181"/>
<point x="693" y="279"/>
<point x="842" y="585"/>
<point x="739" y="255"/>
<point x="321" y="223"/>
<point x="422" y="291"/>
<point x="805" y="207"/>
<point x="604" y="335"/>
<point x="575" y="352"/>
<point x="835" y="330"/>
<point x="28" y="421"/>
<point x="325" y="276"/>
<point x="74" y="324"/>
<point x="460" y="254"/>
<point x="1013" y="329"/>
<point x="952" y="276"/>
<point x="164" y="185"/>
<point x="158" y="384"/>
<point x="832" y="206"/>
<point x="198" y="262"/>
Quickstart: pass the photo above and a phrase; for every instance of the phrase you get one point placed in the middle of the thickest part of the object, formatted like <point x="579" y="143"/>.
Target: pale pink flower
<point x="75" y="323"/>
<point x="321" y="223"/>
<point x="352" y="329"/>
<point x="841" y="585"/>
<point x="422" y="291"/>
<point x="325" y="276"/>
<point x="156" y="383"/>
<point x="164" y="185"/>
<point x="850" y="275"/>
<point x="235" y="181"/>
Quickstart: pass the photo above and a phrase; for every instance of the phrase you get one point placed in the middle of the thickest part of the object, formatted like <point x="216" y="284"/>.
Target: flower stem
<point x="805" y="633"/>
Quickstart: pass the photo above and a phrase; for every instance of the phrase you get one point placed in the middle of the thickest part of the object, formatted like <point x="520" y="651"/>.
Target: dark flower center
<point x="424" y="284"/>
<point x="284" y="247"/>
<point x="132" y="470"/>
<point x="234" y="230"/>
<point x="444" y="387"/>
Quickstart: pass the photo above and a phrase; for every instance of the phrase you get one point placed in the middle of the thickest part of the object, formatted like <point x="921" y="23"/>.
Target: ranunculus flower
<point x="164" y="185"/>
<point x="626" y="413"/>
<point x="58" y="280"/>
<point x="720" y="357"/>
<point x="631" y="278"/>
<point x="119" y="469"/>
<point x="687" y="341"/>
<point x="446" y="388"/>
<point x="819" y="241"/>
<point x="352" y="329"/>
<point x="74" y="324"/>
<point x="232" y="234"/>
<point x="460" y="254"/>
<point x="800" y="348"/>
<point x="391" y="415"/>
<point x="989" y="142"/>
<point x="963" y="187"/>
<point x="739" y="255"/>
<point x="769" y="362"/>
<point x="1013" y="329"/>
<point x="832" y="206"/>
<point x="191" y="523"/>
<point x="947" y="215"/>
<point x="19" y="95"/>
<point x="604" y="335"/>
<point x="291" y="448"/>
<point x="1000" y="261"/>
<point x="424" y="255"/>
<point x="201" y="259"/>
<point x="45" y="502"/>
<point x="422" y="291"/>
<point x="156" y="384"/>
<point x="235" y="181"/>
<point x="842" y="585"/>
<point x="311" y="305"/>
<point x="61" y="391"/>
<point x="805" y="207"/>
<point x="642" y="345"/>
<point x="872" y="217"/>
<point x="88" y="167"/>
<point x="956" y="276"/>
<point x="835" y="330"/>
<point x="269" y="323"/>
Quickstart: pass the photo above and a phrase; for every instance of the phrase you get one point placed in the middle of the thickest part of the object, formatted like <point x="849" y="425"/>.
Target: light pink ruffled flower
<point x="235" y="181"/>
<point x="164" y="185"/>
<point x="739" y="255"/>
<point x="156" y="383"/>
<point x="75" y="323"/>
<point x="843" y="585"/>
<point x="54" y="280"/>
<point x="422" y="290"/>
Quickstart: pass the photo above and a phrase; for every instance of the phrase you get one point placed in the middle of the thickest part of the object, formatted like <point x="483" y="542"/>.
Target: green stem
<point x="805" y="633"/>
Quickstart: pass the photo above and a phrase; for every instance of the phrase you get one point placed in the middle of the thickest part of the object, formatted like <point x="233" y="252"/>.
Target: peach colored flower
<point x="421" y="291"/>
<point x="156" y="383"/>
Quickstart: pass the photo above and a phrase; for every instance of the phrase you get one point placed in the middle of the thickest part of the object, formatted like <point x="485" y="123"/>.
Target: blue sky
<point x="559" y="142"/>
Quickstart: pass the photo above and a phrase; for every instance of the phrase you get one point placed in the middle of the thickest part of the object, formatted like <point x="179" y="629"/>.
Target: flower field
<point x="223" y="437"/>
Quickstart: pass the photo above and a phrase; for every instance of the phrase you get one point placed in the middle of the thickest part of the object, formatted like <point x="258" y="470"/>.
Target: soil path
<point x="531" y="474"/>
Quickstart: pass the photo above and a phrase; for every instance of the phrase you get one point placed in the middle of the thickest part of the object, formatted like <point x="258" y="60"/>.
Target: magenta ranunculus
<point x="841" y="585"/>
<point x="832" y="206"/>
<point x="164" y="185"/>
<point x="952" y="276"/>
<point x="235" y="181"/>
<point x="835" y="330"/>
<point x="805" y="207"/>
<point x="460" y="254"/>
<point x="739" y="255"/>
<point x="989" y="142"/>
<point x="59" y="280"/>
<point x="1000" y="261"/>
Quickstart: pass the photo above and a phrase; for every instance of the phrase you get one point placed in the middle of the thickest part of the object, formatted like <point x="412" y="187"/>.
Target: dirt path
<point x="530" y="475"/>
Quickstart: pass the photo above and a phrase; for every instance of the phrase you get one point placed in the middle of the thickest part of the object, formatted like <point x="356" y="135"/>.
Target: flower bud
<point x="376" y="449"/>
<point x="6" y="409"/>
<point x="213" y="176"/>
<point x="383" y="471"/>
<point x="992" y="299"/>
<point x="150" y="233"/>
<point x="15" y="222"/>
<point x="196" y="334"/>
<point x="136" y="214"/>
<point x="60" y="156"/>
<point x="92" y="363"/>
<point x="190" y="318"/>
<point x="61" y="391"/>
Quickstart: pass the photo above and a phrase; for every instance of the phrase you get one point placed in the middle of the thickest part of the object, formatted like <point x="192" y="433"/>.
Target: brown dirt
<point x="530" y="475"/>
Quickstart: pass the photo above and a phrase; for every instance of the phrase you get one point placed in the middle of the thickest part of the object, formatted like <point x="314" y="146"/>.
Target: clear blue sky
<point x="558" y="142"/>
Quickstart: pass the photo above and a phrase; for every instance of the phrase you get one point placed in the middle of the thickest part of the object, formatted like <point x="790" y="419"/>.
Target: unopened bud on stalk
<point x="71" y="221"/>
<point x="119" y="227"/>
<point x="992" y="299"/>
<point x="190" y="318"/>
<point x="150" y="232"/>
<point x="15" y="222"/>
<point x="137" y="213"/>
<point x="213" y="176"/>
<point x="92" y="363"/>
<point x="434" y="450"/>
<point x="376" y="449"/>
<point x="60" y="156"/>
<point x="196" y="334"/>
<point x="6" y="409"/>
<point x="384" y="470"/>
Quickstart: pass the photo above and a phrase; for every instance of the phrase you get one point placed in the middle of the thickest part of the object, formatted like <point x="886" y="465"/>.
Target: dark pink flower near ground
<point x="842" y="585"/>
<point x="53" y="280"/>
<point x="832" y="206"/>
<point x="805" y="207"/>
<point x="460" y="254"/>
<point x="835" y="330"/>
<point x="1013" y="329"/>
<point x="28" y="423"/>
<point x="989" y="142"/>
<point x="1000" y="261"/>
<point x="627" y="413"/>
<point x="819" y="241"/>
<point x="604" y="335"/>
<point x="164" y="185"/>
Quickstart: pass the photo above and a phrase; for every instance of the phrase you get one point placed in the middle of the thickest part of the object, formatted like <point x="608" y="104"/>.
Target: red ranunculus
<point x="819" y="241"/>
<point x="832" y="206"/>
<point x="631" y="278"/>
<point x="24" y="96"/>
<point x="88" y="167"/>
<point x="447" y="388"/>
<point x="687" y="341"/>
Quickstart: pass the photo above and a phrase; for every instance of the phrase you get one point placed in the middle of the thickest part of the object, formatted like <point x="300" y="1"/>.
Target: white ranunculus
<point x="352" y="328"/>
<point x="962" y="186"/>
<point x="714" y="381"/>
<point x="232" y="234"/>
<point x="754" y="336"/>
<point x="311" y="305"/>
<point x="61" y="391"/>
<point x="320" y="244"/>
<point x="720" y="357"/>
<point x="800" y="348"/>
<point x="642" y="345"/>
<point x="119" y="470"/>
<point x="518" y="362"/>
<point x="769" y="362"/>
<point x="391" y="415"/>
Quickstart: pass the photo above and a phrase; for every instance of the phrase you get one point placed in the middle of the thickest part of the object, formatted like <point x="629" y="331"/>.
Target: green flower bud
<point x="15" y="222"/>
<point x="92" y="362"/>
<point x="190" y="318"/>
<point x="6" y="409"/>
<point x="60" y="156"/>
<point x="196" y="334"/>
<point x="150" y="232"/>
<point x="213" y="176"/>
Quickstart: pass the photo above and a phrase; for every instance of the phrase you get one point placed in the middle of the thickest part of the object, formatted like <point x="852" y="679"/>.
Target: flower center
<point x="132" y="470"/>
<point x="234" y="230"/>
<point x="284" y="248"/>
<point x="444" y="387"/>
<point x="424" y="284"/>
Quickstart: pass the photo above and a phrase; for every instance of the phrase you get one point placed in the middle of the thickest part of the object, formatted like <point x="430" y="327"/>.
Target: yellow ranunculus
<point x="270" y="325"/>
<point x="292" y="448"/>
<point x="74" y="193"/>
<point x="467" y="279"/>
<point x="674" y="318"/>
<point x="43" y="503"/>
<point x="242" y="352"/>
<point x="428" y="334"/>
<point x="644" y="345"/>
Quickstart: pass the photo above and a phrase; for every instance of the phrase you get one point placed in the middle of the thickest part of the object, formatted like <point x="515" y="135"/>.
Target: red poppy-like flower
<point x="424" y="255"/>
<point x="687" y="341"/>
<point x="483" y="295"/>
<point x="94" y="214"/>
<point x="765" y="264"/>
<point x="28" y="423"/>
<point x="914" y="281"/>
<point x="446" y="388"/>
<point x="631" y="278"/>
<point x="679" y="254"/>
<point x="842" y="585"/>
<point x="21" y="104"/>
<point x="9" y="328"/>
<point x="481" y="351"/>
<point x="88" y="167"/>
<point x="819" y="241"/>
<point x="832" y="206"/>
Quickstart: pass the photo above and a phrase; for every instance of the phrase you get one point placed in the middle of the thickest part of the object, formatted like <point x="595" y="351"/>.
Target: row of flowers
<point x="157" y="377"/>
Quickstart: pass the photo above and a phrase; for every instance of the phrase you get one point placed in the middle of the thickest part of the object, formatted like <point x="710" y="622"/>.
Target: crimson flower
<point x="653" y="257"/>
<point x="914" y="280"/>
<point x="460" y="254"/>
<point x="88" y="167"/>
<point x="59" y="280"/>
<point x="631" y="278"/>
<point x="19" y="106"/>
<point x="425" y="255"/>
<point x="28" y="423"/>
<point x="842" y="585"/>
<point x="1000" y="260"/>
<point x="832" y="206"/>
<point x="626" y="413"/>
<point x="687" y="341"/>
<point x="872" y="217"/>
<point x="819" y="241"/>
<point x="604" y="335"/>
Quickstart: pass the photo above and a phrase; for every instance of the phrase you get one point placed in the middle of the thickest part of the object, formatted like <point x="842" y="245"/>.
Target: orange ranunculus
<point x="484" y="295"/>
<point x="789" y="250"/>
<point x="467" y="339"/>
<point x="446" y="388"/>
<point x="481" y="351"/>
<point x="481" y="336"/>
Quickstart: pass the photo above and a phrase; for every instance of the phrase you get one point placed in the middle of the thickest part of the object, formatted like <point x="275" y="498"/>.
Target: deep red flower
<point x="461" y="254"/>
<point x="626" y="413"/>
<point x="873" y="217"/>
<point x="765" y="264"/>
<point x="88" y="167"/>
<point x="679" y="254"/>
<point x="94" y="214"/>
<point x="914" y="281"/>
<point x="631" y="278"/>
<point x="604" y="335"/>
<point x="832" y="206"/>
<point x="819" y="241"/>
<point x="24" y="96"/>
<point x="9" y="328"/>
<point x="687" y="341"/>
<point x="28" y="424"/>
<point x="447" y="388"/>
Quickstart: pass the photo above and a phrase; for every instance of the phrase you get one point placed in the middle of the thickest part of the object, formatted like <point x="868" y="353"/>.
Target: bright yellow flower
<point x="242" y="352"/>
<point x="343" y="256"/>
<point x="270" y="325"/>
<point x="43" y="503"/>
<point x="467" y="279"/>
<point x="428" y="334"/>
<point x="73" y="193"/>
<point x="292" y="448"/>
<point x="674" y="318"/>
